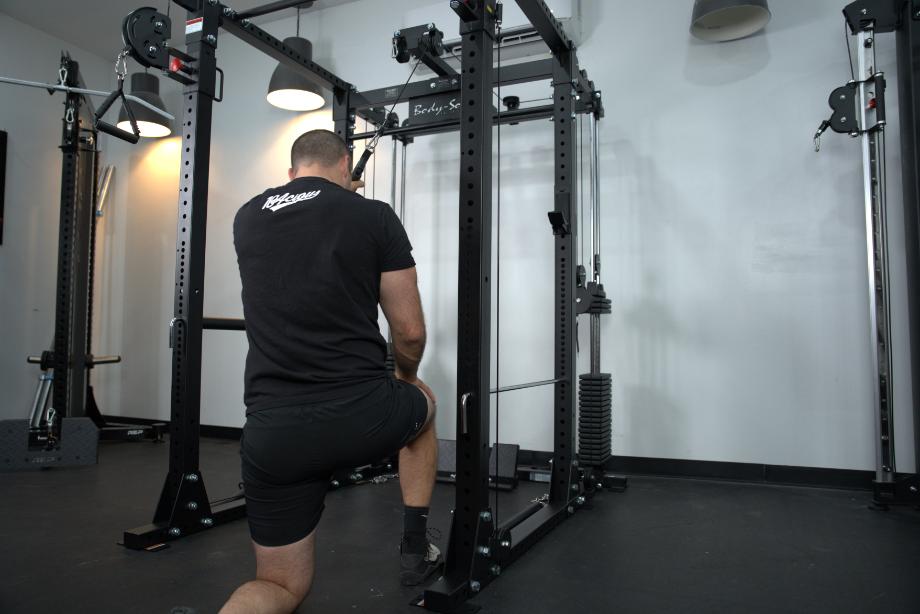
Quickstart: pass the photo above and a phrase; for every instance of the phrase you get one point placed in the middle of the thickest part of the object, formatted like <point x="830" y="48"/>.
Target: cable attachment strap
<point x="121" y="71"/>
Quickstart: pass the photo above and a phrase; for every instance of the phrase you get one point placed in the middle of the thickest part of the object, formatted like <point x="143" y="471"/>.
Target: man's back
<point x="316" y="260"/>
<point x="310" y="255"/>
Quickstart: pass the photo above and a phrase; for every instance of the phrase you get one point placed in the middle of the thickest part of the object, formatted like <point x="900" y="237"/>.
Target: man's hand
<point x="415" y="381"/>
<point x="356" y="185"/>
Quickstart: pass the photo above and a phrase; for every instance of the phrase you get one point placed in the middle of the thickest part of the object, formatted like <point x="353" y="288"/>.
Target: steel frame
<point x="184" y="507"/>
<point x="478" y="546"/>
<point x="3" y="156"/>
<point x="908" y="52"/>
<point x="866" y="19"/>
<point x="891" y="489"/>
<point x="69" y="357"/>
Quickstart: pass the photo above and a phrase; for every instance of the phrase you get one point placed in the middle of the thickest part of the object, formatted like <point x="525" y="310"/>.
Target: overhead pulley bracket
<point x="145" y="33"/>
<point x="844" y="102"/>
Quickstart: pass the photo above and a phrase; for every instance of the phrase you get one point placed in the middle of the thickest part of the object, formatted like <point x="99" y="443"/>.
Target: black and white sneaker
<point x="416" y="568"/>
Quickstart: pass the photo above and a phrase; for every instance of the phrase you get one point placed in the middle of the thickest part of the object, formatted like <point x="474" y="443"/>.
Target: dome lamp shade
<point x="292" y="90"/>
<point x="727" y="20"/>
<point x="146" y="87"/>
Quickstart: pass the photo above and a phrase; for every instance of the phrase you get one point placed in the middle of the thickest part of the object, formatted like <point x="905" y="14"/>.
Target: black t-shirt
<point x="310" y="256"/>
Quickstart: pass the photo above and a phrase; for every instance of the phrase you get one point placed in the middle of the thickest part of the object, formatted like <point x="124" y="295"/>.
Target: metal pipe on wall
<point x="40" y="404"/>
<point x="103" y="191"/>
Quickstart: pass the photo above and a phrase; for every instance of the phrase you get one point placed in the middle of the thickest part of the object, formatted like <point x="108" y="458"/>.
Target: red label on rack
<point x="194" y="25"/>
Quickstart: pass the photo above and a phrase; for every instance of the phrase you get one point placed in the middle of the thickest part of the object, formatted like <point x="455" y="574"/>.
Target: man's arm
<point x="402" y="307"/>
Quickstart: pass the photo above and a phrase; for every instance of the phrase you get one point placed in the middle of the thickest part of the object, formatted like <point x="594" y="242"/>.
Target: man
<point x="315" y="260"/>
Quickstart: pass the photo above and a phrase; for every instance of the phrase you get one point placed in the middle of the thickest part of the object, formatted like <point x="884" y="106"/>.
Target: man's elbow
<point x="413" y="335"/>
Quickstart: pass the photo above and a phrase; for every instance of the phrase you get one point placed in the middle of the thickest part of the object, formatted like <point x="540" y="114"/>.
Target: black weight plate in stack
<point x="595" y="396"/>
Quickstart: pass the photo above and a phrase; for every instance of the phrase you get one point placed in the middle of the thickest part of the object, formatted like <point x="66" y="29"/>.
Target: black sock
<point x="415" y="522"/>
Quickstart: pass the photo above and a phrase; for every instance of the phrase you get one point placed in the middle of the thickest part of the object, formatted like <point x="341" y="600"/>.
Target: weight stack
<point x="390" y="361"/>
<point x="594" y="418"/>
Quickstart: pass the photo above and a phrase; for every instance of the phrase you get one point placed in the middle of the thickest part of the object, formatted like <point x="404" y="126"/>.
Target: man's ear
<point x="291" y="173"/>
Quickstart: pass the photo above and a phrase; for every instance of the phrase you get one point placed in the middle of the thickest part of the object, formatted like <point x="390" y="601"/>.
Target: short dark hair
<point x="322" y="147"/>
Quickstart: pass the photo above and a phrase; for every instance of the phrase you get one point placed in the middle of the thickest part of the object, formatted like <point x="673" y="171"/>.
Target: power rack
<point x="479" y="546"/>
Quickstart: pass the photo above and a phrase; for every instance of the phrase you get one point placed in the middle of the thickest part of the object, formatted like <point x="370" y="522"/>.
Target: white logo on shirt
<point x="280" y="201"/>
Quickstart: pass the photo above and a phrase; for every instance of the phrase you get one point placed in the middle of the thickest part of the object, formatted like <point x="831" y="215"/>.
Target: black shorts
<point x="289" y="453"/>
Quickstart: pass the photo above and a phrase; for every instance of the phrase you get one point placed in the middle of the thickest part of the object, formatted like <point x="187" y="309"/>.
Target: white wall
<point x="733" y="253"/>
<point x="28" y="256"/>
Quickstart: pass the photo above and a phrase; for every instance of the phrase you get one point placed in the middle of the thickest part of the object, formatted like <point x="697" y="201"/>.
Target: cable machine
<point x="451" y="102"/>
<point x="480" y="545"/>
<point x="859" y="110"/>
<point x="64" y="423"/>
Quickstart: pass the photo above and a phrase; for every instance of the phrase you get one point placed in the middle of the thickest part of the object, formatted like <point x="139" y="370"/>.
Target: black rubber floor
<point x="663" y="546"/>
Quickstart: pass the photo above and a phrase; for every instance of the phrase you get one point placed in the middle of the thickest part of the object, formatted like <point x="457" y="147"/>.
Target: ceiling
<point x="95" y="25"/>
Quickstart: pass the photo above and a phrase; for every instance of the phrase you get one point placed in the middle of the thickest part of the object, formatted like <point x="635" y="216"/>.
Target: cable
<point x="369" y="148"/>
<point x="395" y="102"/>
<point x="846" y="36"/>
<point x="498" y="260"/>
<point x="364" y="187"/>
<point x="579" y="151"/>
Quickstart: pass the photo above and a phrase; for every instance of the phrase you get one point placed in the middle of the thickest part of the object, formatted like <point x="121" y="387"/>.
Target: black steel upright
<point x="479" y="545"/>
<point x="185" y="403"/>
<point x="69" y="353"/>
<point x="184" y="507"/>
<point x="2" y="179"/>
<point x="908" y="52"/>
<point x="472" y="525"/>
<point x="562" y="484"/>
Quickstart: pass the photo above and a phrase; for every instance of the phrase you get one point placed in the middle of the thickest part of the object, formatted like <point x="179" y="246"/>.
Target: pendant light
<point x="727" y="20"/>
<point x="146" y="87"/>
<point x="291" y="89"/>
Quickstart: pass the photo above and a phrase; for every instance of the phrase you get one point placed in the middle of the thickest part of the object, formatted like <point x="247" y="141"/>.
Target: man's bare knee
<point x="298" y="586"/>
<point x="299" y="591"/>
